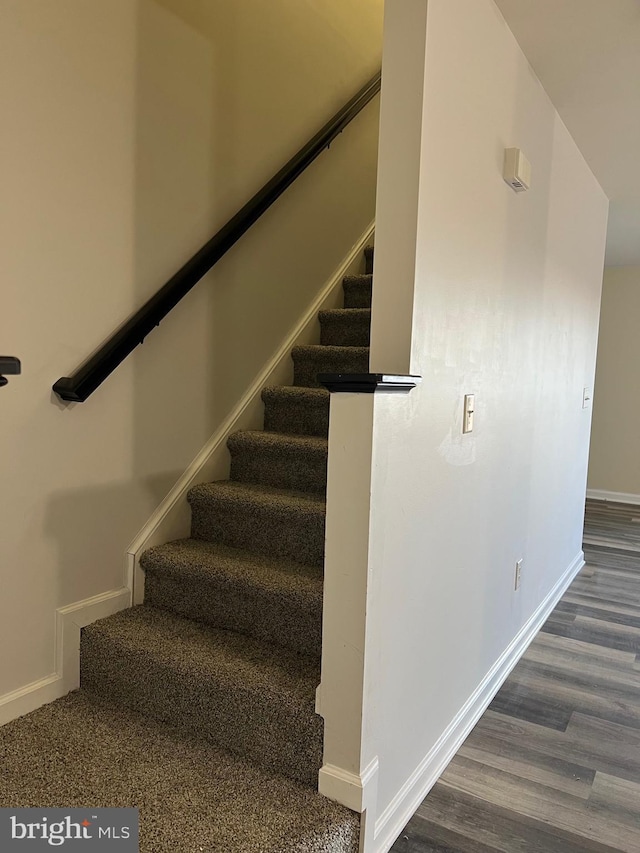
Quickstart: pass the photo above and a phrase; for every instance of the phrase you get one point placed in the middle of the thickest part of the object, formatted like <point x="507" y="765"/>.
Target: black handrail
<point x="103" y="362"/>
<point x="10" y="366"/>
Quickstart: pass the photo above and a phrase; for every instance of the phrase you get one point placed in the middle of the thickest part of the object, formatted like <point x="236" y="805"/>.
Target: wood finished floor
<point x="553" y="766"/>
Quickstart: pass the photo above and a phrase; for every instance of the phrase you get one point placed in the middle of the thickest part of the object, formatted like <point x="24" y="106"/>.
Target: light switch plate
<point x="467" y="417"/>
<point x="518" y="579"/>
<point x="586" y="397"/>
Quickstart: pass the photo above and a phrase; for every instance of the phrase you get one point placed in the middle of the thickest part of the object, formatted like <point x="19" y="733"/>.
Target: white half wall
<point x="614" y="460"/>
<point x="502" y="303"/>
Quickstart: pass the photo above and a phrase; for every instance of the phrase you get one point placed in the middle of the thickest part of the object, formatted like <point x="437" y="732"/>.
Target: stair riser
<point x="296" y="418"/>
<point x="245" y="721"/>
<point x="283" y="534"/>
<point x="368" y="260"/>
<point x="357" y="292"/>
<point x="346" y="332"/>
<point x="303" y="472"/>
<point x="306" y="367"/>
<point x="294" y="622"/>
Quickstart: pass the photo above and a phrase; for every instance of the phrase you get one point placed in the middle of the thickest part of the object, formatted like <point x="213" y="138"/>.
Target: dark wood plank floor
<point x="553" y="766"/>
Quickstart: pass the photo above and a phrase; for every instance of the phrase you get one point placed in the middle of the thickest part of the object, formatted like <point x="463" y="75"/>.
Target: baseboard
<point x="613" y="497"/>
<point x="171" y="520"/>
<point x="355" y="791"/>
<point x="70" y="620"/>
<point x="28" y="698"/>
<point x="394" y="818"/>
<point x="66" y="677"/>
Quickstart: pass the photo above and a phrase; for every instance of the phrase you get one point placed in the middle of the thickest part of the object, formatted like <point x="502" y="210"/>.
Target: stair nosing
<point x="314" y="442"/>
<point x="159" y="561"/>
<point x="228" y="667"/>
<point x="319" y="348"/>
<point x="297" y="391"/>
<point x="343" y="312"/>
<point x="259" y="493"/>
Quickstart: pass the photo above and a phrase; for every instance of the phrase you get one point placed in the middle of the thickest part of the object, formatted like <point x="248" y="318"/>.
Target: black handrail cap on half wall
<point x="367" y="383"/>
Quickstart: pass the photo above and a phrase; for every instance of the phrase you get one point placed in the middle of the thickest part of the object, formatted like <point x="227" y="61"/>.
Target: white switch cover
<point x="518" y="574"/>
<point x="467" y="420"/>
<point x="586" y="397"/>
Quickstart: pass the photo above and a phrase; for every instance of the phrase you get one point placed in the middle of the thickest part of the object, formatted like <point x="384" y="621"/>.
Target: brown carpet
<point x="192" y="796"/>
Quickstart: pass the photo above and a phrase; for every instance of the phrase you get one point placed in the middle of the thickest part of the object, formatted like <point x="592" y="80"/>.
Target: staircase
<point x="198" y="706"/>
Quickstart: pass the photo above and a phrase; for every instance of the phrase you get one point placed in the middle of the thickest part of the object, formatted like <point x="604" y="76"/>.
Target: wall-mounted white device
<point x="517" y="170"/>
<point x="467" y="417"/>
<point x="518" y="574"/>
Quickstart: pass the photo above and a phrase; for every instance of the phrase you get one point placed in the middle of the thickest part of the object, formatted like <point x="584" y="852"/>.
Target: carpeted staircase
<point x="198" y="706"/>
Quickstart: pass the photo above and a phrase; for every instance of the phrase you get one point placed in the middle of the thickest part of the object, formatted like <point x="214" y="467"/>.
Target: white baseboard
<point x="355" y="791"/>
<point x="613" y="497"/>
<point x="66" y="677"/>
<point x="171" y="520"/>
<point x="394" y="818"/>
<point x="28" y="698"/>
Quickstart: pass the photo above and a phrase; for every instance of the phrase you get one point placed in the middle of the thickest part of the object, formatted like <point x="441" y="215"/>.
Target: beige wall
<point x="131" y="130"/>
<point x="614" y="461"/>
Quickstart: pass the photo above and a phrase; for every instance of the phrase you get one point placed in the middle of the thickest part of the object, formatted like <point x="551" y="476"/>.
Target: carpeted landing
<point x="192" y="795"/>
<point x="198" y="706"/>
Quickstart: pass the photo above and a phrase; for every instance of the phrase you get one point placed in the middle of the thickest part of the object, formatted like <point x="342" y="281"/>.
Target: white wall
<point x="614" y="461"/>
<point x="502" y="303"/>
<point x="131" y="130"/>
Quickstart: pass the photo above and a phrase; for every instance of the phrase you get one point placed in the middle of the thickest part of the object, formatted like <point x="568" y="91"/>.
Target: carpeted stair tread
<point x="76" y="753"/>
<point x="357" y="291"/>
<point x="309" y="361"/>
<point x="282" y="461"/>
<point x="254" y="699"/>
<point x="345" y="327"/>
<point x="294" y="410"/>
<point x="276" y="601"/>
<point x="279" y="523"/>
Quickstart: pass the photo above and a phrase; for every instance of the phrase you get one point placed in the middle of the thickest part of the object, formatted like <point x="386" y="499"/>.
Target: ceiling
<point x="586" y="53"/>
